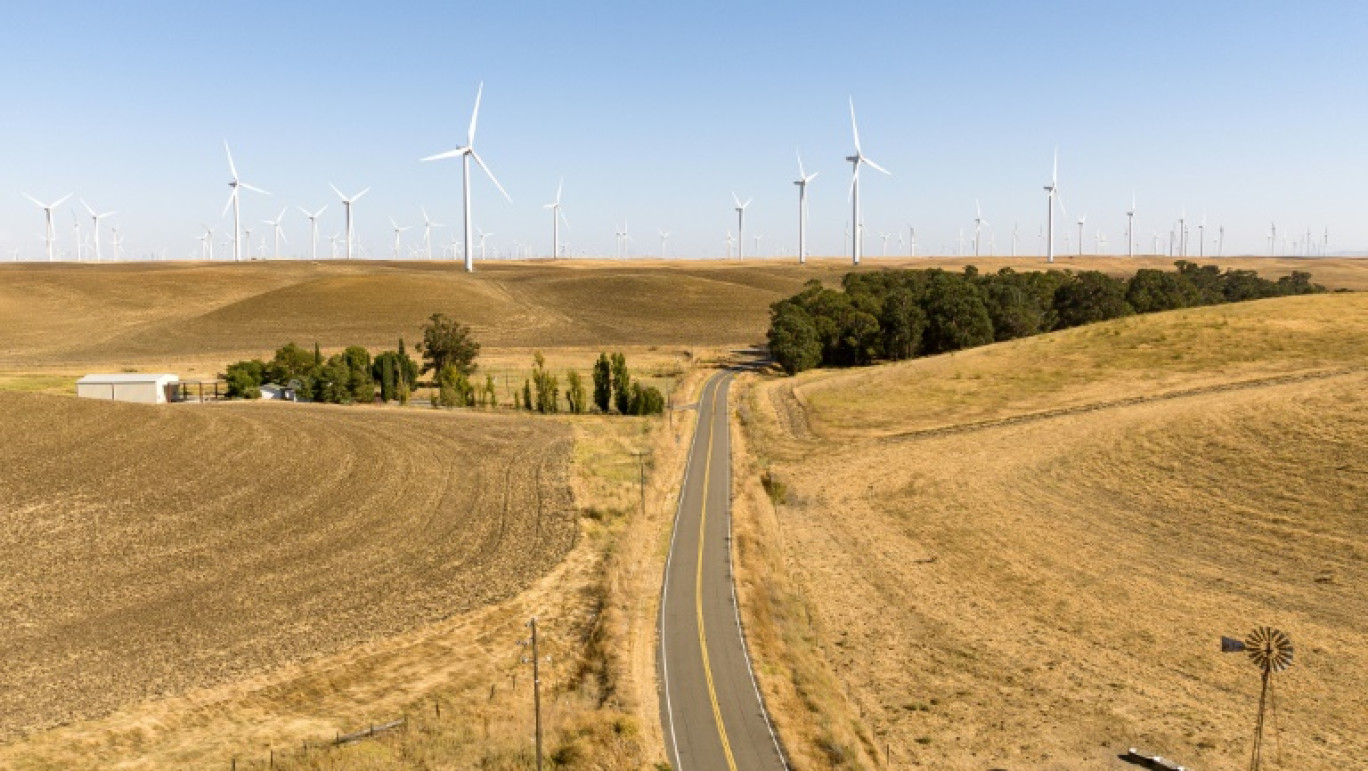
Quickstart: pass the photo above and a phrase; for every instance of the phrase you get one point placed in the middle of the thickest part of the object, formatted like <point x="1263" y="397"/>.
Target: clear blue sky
<point x="655" y="112"/>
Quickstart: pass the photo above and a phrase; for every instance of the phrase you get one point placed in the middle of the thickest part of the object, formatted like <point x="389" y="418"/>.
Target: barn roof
<point x="134" y="377"/>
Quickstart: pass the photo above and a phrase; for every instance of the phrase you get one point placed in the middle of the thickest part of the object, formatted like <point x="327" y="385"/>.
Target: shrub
<point x="244" y="379"/>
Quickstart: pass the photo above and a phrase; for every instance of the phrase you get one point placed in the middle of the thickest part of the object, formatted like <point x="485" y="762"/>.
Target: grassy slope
<point x="1047" y="592"/>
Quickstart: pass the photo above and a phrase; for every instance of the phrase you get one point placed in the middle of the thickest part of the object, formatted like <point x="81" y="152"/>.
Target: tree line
<point x="901" y="314"/>
<point x="448" y="351"/>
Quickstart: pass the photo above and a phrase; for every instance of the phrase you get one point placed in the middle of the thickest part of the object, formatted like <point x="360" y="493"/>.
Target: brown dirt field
<point x="1044" y="583"/>
<point x="152" y="551"/>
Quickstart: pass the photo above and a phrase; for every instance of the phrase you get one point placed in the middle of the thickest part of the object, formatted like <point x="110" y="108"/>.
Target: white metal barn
<point x="141" y="388"/>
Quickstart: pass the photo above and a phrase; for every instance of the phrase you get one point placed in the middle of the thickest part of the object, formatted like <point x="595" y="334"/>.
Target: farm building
<point x="141" y="388"/>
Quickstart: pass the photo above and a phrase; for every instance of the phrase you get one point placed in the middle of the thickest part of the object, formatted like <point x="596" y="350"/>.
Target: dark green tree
<point x="575" y="395"/>
<point x="527" y="395"/>
<point x="446" y="341"/>
<point x="1090" y="297"/>
<point x="622" y="384"/>
<point x="244" y="379"/>
<point x="901" y="323"/>
<point x="956" y="316"/>
<point x="603" y="383"/>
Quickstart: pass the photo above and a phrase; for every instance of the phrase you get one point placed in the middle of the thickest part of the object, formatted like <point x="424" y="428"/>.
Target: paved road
<point x="713" y="716"/>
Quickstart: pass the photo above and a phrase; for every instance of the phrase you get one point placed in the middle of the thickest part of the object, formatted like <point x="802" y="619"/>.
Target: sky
<point x="1243" y="113"/>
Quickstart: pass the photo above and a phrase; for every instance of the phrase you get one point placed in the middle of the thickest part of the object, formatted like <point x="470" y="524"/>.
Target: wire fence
<point x="274" y="756"/>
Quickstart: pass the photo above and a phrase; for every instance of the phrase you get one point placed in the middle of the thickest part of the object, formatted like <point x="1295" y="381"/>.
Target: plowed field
<point x="150" y="550"/>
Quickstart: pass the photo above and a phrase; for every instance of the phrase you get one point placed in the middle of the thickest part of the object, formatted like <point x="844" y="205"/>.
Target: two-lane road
<point x="713" y="715"/>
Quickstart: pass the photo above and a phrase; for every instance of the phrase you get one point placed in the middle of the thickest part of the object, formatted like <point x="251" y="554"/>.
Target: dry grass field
<point x="1024" y="556"/>
<point x="150" y="551"/>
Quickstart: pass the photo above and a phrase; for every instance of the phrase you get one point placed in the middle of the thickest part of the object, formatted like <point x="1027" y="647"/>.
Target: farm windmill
<point x="1271" y="651"/>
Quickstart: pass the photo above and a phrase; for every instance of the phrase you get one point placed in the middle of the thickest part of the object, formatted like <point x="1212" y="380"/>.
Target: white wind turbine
<point x="1081" y="220"/>
<point x="802" y="182"/>
<point x="883" y="237"/>
<point x="664" y="236"/>
<point x="76" y="223"/>
<point x="203" y="238"/>
<point x="47" y="214"/>
<point x="1201" y="237"/>
<point x="96" y="218"/>
<point x="347" y="205"/>
<point x="856" y="226"/>
<point x="757" y="243"/>
<point x="313" y="229"/>
<point x="979" y="222"/>
<point x="1014" y="239"/>
<point x="278" y="236"/>
<point x="397" y="231"/>
<point x="483" y="236"/>
<point x="556" y="217"/>
<point x="210" y="240"/>
<point x="235" y="202"/>
<point x="1130" y="228"/>
<point x="1053" y="194"/>
<point x="740" y="225"/>
<point x="465" y="153"/>
<point x="729" y="244"/>
<point x="428" y="225"/>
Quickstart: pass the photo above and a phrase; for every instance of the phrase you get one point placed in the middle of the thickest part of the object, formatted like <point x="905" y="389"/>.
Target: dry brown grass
<point x="1020" y="575"/>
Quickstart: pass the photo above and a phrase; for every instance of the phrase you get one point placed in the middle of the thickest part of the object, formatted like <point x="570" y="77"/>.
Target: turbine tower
<point x="313" y="230"/>
<point x="740" y="225"/>
<point x="664" y="236"/>
<point x="397" y="230"/>
<point x="47" y="214"/>
<point x="802" y="182"/>
<point x="857" y="231"/>
<point x="483" y="236"/>
<point x="347" y="205"/>
<point x="1081" y="220"/>
<point x="556" y="216"/>
<point x="428" y="225"/>
<point x="279" y="236"/>
<point x="1130" y="228"/>
<point x="234" y="200"/>
<point x="96" y="218"/>
<point x="1201" y="238"/>
<point x="465" y="153"/>
<point x="1053" y="194"/>
<point x="979" y="222"/>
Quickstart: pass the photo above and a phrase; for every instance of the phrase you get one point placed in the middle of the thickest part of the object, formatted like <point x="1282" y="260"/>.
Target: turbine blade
<point x="231" y="168"/>
<point x="562" y="216"/>
<point x="87" y="208"/>
<point x="474" y="116"/>
<point x="304" y="211"/>
<point x="357" y="197"/>
<point x="876" y="166"/>
<point x="801" y="173"/>
<point x="395" y="224"/>
<point x="476" y="156"/>
<point x="738" y="200"/>
<point x="747" y="203"/>
<point x="559" y="186"/>
<point x="231" y="197"/>
<point x="61" y="200"/>
<point x="854" y="128"/>
<point x="36" y="202"/>
<point x="335" y="190"/>
<point x="811" y="176"/>
<point x="253" y="189"/>
<point x="458" y="152"/>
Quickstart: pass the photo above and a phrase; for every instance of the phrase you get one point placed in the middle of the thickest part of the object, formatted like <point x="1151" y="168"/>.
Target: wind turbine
<point x="757" y="243"/>
<point x="556" y="217"/>
<point x="1081" y="220"/>
<point x="47" y="214"/>
<point x="1130" y="228"/>
<point x="729" y="244"/>
<point x="234" y="200"/>
<point x="428" y="225"/>
<point x="202" y="238"/>
<point x="465" y="153"/>
<point x="1014" y="238"/>
<point x="664" y="236"/>
<point x="857" y="232"/>
<point x="278" y="235"/>
<point x="1220" y="242"/>
<point x="1272" y="239"/>
<point x="979" y="222"/>
<point x="397" y="231"/>
<point x="118" y="242"/>
<point x="313" y="230"/>
<point x="1201" y="238"/>
<point x="802" y="182"/>
<point x="96" y="218"/>
<point x="483" y="236"/>
<point x="347" y="204"/>
<point x="1182" y="234"/>
<point x="740" y="225"/>
<point x="210" y="240"/>
<point x="883" y="237"/>
<point x="912" y="244"/>
<point x="76" y="223"/>
<point x="1052" y="190"/>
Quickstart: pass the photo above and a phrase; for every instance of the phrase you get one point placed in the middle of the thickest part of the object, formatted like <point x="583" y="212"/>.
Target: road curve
<point x="713" y="715"/>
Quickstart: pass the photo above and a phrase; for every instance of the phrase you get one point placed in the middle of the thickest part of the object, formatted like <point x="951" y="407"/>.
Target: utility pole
<point x="536" y="689"/>
<point x="641" y="465"/>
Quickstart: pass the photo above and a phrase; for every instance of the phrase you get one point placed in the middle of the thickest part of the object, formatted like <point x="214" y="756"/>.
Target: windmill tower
<point x="1271" y="651"/>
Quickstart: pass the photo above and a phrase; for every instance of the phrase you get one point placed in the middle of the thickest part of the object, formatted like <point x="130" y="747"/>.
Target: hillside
<point x="150" y="551"/>
<point x="1025" y="555"/>
<point x="68" y="318"/>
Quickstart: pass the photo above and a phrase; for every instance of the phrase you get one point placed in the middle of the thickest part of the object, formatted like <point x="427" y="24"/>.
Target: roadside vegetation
<point x="901" y="314"/>
<point x="448" y="351"/>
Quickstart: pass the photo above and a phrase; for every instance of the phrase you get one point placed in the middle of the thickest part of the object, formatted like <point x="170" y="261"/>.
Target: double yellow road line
<point x="698" y="587"/>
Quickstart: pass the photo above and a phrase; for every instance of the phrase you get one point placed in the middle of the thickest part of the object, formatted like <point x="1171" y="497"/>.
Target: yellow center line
<point x="698" y="593"/>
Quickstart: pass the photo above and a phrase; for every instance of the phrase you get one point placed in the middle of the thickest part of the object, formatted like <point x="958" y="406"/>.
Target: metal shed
<point x="137" y="387"/>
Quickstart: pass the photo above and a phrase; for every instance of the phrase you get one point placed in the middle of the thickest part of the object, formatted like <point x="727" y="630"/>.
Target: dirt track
<point x="153" y="550"/>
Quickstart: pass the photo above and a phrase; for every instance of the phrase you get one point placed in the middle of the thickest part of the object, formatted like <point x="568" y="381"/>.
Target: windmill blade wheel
<point x="1270" y="649"/>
